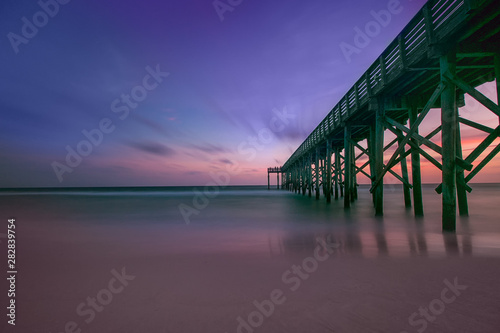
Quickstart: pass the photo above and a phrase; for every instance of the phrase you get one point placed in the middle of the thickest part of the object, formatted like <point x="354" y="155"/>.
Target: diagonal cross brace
<point x="475" y="154"/>
<point x="415" y="136"/>
<point x="481" y="165"/>
<point x="414" y="146"/>
<point x="488" y="103"/>
<point x="435" y="95"/>
<point x="483" y="145"/>
<point x="464" y="164"/>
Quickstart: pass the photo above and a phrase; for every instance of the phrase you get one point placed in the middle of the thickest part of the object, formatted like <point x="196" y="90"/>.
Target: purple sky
<point x="227" y="80"/>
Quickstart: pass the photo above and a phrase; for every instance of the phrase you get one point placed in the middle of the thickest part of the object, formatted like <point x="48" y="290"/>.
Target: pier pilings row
<point x="447" y="50"/>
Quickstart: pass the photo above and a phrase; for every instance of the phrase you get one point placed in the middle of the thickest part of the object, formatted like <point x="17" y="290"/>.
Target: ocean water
<point x="254" y="219"/>
<point x="206" y="273"/>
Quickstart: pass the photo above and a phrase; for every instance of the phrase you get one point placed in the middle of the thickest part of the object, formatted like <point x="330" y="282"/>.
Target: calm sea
<point x="255" y="220"/>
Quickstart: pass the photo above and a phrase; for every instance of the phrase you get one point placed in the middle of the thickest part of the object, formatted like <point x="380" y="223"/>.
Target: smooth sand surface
<point x="207" y="288"/>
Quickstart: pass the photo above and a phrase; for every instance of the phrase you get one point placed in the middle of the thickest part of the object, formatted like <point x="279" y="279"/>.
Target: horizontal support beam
<point x="439" y="188"/>
<point x="475" y="54"/>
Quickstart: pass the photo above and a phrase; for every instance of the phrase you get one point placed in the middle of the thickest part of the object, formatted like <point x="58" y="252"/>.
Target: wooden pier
<point x="449" y="48"/>
<point x="277" y="171"/>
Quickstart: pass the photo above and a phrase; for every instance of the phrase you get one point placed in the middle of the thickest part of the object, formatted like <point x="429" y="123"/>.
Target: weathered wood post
<point x="463" y="206"/>
<point x="309" y="175"/>
<point x="317" y="173"/>
<point x="341" y="175"/>
<point x="371" y="157"/>
<point x="328" y="163"/>
<point x="354" y="183"/>
<point x="497" y="76"/>
<point x="404" y="173"/>
<point x="449" y="123"/>
<point x="337" y="171"/>
<point x="378" y="145"/>
<point x="295" y="175"/>
<point x="347" y="166"/>
<point x="304" y="176"/>
<point x="418" y="206"/>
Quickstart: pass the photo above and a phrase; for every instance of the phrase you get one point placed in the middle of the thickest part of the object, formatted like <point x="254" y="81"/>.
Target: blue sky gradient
<point x="225" y="79"/>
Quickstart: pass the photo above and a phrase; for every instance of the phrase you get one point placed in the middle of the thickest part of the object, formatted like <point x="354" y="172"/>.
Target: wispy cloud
<point x="150" y="124"/>
<point x="211" y="148"/>
<point x="225" y="161"/>
<point x="152" y="148"/>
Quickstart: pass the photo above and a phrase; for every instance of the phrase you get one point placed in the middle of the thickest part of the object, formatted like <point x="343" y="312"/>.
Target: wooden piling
<point x="337" y="170"/>
<point x="400" y="80"/>
<point x="304" y="177"/>
<point x="354" y="183"/>
<point x="378" y="145"/>
<point x="404" y="173"/>
<point x="371" y="149"/>
<point x="418" y="206"/>
<point x="497" y="75"/>
<point x="328" y="171"/>
<point x="309" y="174"/>
<point x="463" y="206"/>
<point x="347" y="166"/>
<point x="448" y="132"/>
<point x="323" y="176"/>
<point x="341" y="178"/>
<point x="316" y="167"/>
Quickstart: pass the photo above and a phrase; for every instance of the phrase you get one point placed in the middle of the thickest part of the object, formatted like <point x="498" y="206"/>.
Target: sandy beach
<point x="82" y="268"/>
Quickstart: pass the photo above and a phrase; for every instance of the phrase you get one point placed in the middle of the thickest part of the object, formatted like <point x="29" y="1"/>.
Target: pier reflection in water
<point x="379" y="240"/>
<point x="260" y="221"/>
<point x="381" y="243"/>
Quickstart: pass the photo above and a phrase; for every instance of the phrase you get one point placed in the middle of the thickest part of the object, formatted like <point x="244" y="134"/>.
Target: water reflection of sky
<point x="274" y="223"/>
<point x="348" y="242"/>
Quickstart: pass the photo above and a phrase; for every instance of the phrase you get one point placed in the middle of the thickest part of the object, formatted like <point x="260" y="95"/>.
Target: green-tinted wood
<point x="379" y="160"/>
<point x="449" y="122"/>
<point x="347" y="166"/>
<point x="418" y="206"/>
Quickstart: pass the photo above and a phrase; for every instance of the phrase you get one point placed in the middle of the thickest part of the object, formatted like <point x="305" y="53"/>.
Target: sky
<point x="170" y="93"/>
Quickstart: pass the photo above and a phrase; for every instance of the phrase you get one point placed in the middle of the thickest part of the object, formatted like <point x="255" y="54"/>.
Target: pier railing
<point x="437" y="20"/>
